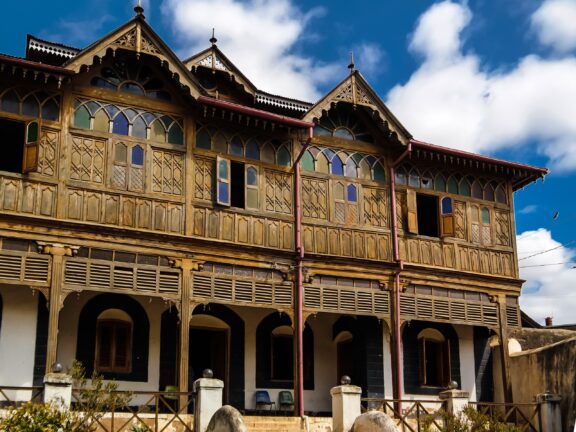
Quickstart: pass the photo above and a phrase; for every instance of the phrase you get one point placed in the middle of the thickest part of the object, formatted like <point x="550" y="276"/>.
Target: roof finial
<point x="213" y="39"/>
<point x="352" y="66"/>
<point x="139" y="9"/>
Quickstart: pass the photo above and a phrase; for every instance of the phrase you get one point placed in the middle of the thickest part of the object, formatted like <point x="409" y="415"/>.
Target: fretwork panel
<point x="337" y="299"/>
<point x="375" y="207"/>
<point x="125" y="211"/>
<point x="87" y="159"/>
<point x="47" y="156"/>
<point x="203" y="179"/>
<point x="24" y="268"/>
<point x="460" y="220"/>
<point x="346" y="242"/>
<point x="449" y="310"/>
<point x="17" y="195"/>
<point x="278" y="192"/>
<point x="456" y="256"/>
<point x="502" y="227"/>
<point x="81" y="273"/>
<point x="314" y="198"/>
<point x="230" y="289"/>
<point x="401" y="210"/>
<point x="167" y="172"/>
<point x="243" y="229"/>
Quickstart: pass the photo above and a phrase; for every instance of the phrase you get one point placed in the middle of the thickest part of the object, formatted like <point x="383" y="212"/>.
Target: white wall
<point x="18" y="336"/>
<point x="387" y="362"/>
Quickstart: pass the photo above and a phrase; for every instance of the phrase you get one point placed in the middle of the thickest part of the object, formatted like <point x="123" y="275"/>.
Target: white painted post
<point x="345" y="407"/>
<point x="550" y="412"/>
<point x="208" y="401"/>
<point x="58" y="390"/>
<point x="456" y="401"/>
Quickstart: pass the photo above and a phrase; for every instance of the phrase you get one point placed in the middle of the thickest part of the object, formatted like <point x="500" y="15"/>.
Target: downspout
<point x="397" y="345"/>
<point x="298" y="301"/>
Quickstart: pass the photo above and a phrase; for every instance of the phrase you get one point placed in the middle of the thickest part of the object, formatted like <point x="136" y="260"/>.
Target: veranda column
<point x="55" y="297"/>
<point x="187" y="266"/>
<point x="503" y="330"/>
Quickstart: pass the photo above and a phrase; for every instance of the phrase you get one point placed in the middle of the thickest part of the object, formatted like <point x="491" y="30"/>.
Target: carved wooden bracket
<point x="187" y="264"/>
<point x="57" y="249"/>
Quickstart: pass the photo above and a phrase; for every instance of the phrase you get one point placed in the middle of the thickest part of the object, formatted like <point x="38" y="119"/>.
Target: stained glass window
<point x="307" y="161"/>
<point x="379" y="174"/>
<point x="157" y="131"/>
<point x="283" y="157"/>
<point x="440" y="183"/>
<point x="137" y="155"/>
<point x="322" y="164"/>
<point x="342" y="122"/>
<point x="101" y="121"/>
<point x="337" y="166"/>
<point x="120" y="125"/>
<point x="236" y="147"/>
<point x="203" y="140"/>
<point x="139" y="128"/>
<point x="352" y="193"/>
<point x="351" y="168"/>
<point x="175" y="135"/>
<point x="82" y="118"/>
<point x="485" y="216"/>
<point x="452" y="185"/>
<point x="120" y="153"/>
<point x="253" y="150"/>
<point x="251" y="187"/>
<point x="446" y="206"/>
<point x="401" y="177"/>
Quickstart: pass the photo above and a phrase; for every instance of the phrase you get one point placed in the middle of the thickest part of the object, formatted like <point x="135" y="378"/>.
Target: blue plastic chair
<point x="263" y="399"/>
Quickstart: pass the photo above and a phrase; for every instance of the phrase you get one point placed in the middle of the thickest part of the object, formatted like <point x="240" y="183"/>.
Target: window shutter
<point x="447" y="217"/>
<point x="31" y="147"/>
<point x="412" y="211"/>
<point x="251" y="182"/>
<point x="223" y="181"/>
<point x="422" y="360"/>
<point x="475" y="223"/>
<point x="486" y="226"/>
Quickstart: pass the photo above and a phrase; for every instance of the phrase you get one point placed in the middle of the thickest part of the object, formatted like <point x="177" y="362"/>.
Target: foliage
<point x="469" y="420"/>
<point x="35" y="417"/>
<point x="92" y="399"/>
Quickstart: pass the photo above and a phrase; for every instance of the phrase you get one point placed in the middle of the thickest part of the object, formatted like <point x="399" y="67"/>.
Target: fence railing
<point x="14" y="396"/>
<point x="526" y="416"/>
<point x="410" y="415"/>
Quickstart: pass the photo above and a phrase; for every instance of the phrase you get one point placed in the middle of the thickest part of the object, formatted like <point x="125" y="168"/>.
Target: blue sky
<point x="495" y="77"/>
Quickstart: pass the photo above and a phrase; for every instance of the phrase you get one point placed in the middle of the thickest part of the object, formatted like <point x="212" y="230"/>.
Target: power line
<point x="548" y="250"/>
<point x="546" y="265"/>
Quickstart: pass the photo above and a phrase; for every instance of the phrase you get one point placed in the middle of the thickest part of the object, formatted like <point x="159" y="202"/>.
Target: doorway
<point x="208" y="349"/>
<point x="345" y="356"/>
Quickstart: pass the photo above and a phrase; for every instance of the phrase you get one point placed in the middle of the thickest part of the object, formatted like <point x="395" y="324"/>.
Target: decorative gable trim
<point x="355" y="90"/>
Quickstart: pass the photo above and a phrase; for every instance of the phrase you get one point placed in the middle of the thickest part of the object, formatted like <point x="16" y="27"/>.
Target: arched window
<point x="440" y="183"/>
<point x="219" y="143"/>
<point x="489" y="192"/>
<point x="236" y="146"/>
<point x="113" y="342"/>
<point x="337" y="167"/>
<point x="283" y="156"/>
<point x="452" y="185"/>
<point x="401" y="176"/>
<point x="282" y="353"/>
<point x="477" y="190"/>
<point x="253" y="150"/>
<point x="434" y="358"/>
<point x="203" y="139"/>
<point x="378" y="173"/>
<point x="501" y="195"/>
<point x="307" y="161"/>
<point x="465" y="187"/>
<point x="414" y="178"/>
<point x="426" y="181"/>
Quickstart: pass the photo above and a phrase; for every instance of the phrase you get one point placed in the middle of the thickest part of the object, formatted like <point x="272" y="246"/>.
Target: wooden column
<point x="505" y="361"/>
<point x="187" y="266"/>
<point x="56" y="296"/>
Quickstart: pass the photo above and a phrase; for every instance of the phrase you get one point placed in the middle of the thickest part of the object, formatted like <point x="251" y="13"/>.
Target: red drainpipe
<point x="397" y="344"/>
<point x="299" y="384"/>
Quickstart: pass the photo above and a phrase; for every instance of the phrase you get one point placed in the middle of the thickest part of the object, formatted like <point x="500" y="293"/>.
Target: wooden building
<point x="160" y="216"/>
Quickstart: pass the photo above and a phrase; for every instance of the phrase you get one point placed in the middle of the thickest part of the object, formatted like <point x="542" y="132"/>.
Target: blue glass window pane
<point x="11" y="103"/>
<point x="92" y="107"/>
<point x="175" y="135"/>
<point x="337" y="166"/>
<point x="139" y="128"/>
<point x="223" y="193"/>
<point x="371" y="160"/>
<point x="102" y="83"/>
<point x="329" y="153"/>
<point x="321" y="131"/>
<point x="352" y="193"/>
<point x="137" y="156"/>
<point x="203" y="140"/>
<point x="223" y="169"/>
<point x="236" y="147"/>
<point x="132" y="88"/>
<point x="51" y="110"/>
<point x="252" y="150"/>
<point x="446" y="205"/>
<point x="251" y="176"/>
<point x="120" y="125"/>
<point x="401" y="177"/>
<point x="343" y="133"/>
<point x="111" y="110"/>
<point x="149" y="117"/>
<point x="283" y="157"/>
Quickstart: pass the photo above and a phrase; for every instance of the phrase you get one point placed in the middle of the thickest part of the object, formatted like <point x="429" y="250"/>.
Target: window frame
<point x="113" y="368"/>
<point x="444" y="373"/>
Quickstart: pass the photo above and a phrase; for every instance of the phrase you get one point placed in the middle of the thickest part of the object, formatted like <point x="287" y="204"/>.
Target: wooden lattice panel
<point x="167" y="172"/>
<point x="87" y="159"/>
<point x="203" y="178"/>
<point x="24" y="268"/>
<point x="81" y="273"/>
<point x="375" y="206"/>
<point x="314" y="198"/>
<point x="48" y="152"/>
<point x="278" y="192"/>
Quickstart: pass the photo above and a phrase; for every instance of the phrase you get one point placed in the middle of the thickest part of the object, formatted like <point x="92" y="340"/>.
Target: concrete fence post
<point x="456" y="401"/>
<point x="551" y="418"/>
<point x="208" y="401"/>
<point x="345" y="407"/>
<point x="58" y="390"/>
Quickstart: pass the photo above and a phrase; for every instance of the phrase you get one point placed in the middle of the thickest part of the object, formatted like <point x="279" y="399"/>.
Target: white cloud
<point x="259" y="36"/>
<point x="555" y="24"/>
<point x="368" y="58"/>
<point x="529" y="209"/>
<point x="453" y="100"/>
<point x="550" y="279"/>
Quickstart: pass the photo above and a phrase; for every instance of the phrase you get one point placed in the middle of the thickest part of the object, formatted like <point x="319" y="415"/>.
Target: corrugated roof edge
<point x="31" y="64"/>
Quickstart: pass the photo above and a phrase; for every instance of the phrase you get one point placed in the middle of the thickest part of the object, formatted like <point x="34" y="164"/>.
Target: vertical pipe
<point x="398" y="376"/>
<point x="299" y="381"/>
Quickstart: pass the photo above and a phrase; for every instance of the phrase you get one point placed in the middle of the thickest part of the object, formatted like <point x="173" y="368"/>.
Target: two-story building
<point x="161" y="216"/>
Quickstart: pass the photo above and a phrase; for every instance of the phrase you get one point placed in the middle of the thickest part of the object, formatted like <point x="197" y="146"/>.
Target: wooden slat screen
<point x="24" y="268"/>
<point x="360" y="301"/>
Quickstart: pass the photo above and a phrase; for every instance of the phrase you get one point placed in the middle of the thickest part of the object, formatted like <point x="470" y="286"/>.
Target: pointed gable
<point x="355" y="90"/>
<point x="137" y="36"/>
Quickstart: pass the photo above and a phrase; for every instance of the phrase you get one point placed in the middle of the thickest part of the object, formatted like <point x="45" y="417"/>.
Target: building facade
<point x="161" y="216"/>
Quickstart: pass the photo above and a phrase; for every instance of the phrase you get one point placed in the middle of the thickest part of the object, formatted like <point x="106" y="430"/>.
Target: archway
<point x="344" y="355"/>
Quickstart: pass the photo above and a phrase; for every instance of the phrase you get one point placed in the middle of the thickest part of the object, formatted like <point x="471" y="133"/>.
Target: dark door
<point x="345" y="359"/>
<point x="209" y="350"/>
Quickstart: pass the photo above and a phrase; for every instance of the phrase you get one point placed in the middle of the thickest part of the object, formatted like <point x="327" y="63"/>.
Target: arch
<point x="501" y="196"/>
<point x="401" y="176"/>
<point x="283" y="157"/>
<point x="378" y="173"/>
<point x="11" y="102"/>
<point x="414" y="178"/>
<point x="30" y="106"/>
<point x="51" y="110"/>
<point x="81" y="117"/>
<point x="307" y="161"/>
<point x="440" y="183"/>
<point x="267" y="153"/>
<point x="477" y="190"/>
<point x="120" y="124"/>
<point x="351" y="167"/>
<point x="236" y="353"/>
<point x="203" y="139"/>
<point x="236" y="146"/>
<point x="322" y="164"/>
<point x="264" y="355"/>
<point x="336" y="166"/>
<point x="87" y="328"/>
<point x="452" y="185"/>
<point x="413" y="336"/>
<point x="219" y="143"/>
<point x="489" y="192"/>
<point x="427" y="181"/>
<point x="253" y="149"/>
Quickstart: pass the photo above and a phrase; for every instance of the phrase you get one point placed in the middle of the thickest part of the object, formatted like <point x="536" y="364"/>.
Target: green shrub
<point x="469" y="420"/>
<point x="34" y="417"/>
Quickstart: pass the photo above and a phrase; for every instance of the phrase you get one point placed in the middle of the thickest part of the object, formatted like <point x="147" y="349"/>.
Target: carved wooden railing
<point x="526" y="416"/>
<point x="411" y="415"/>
